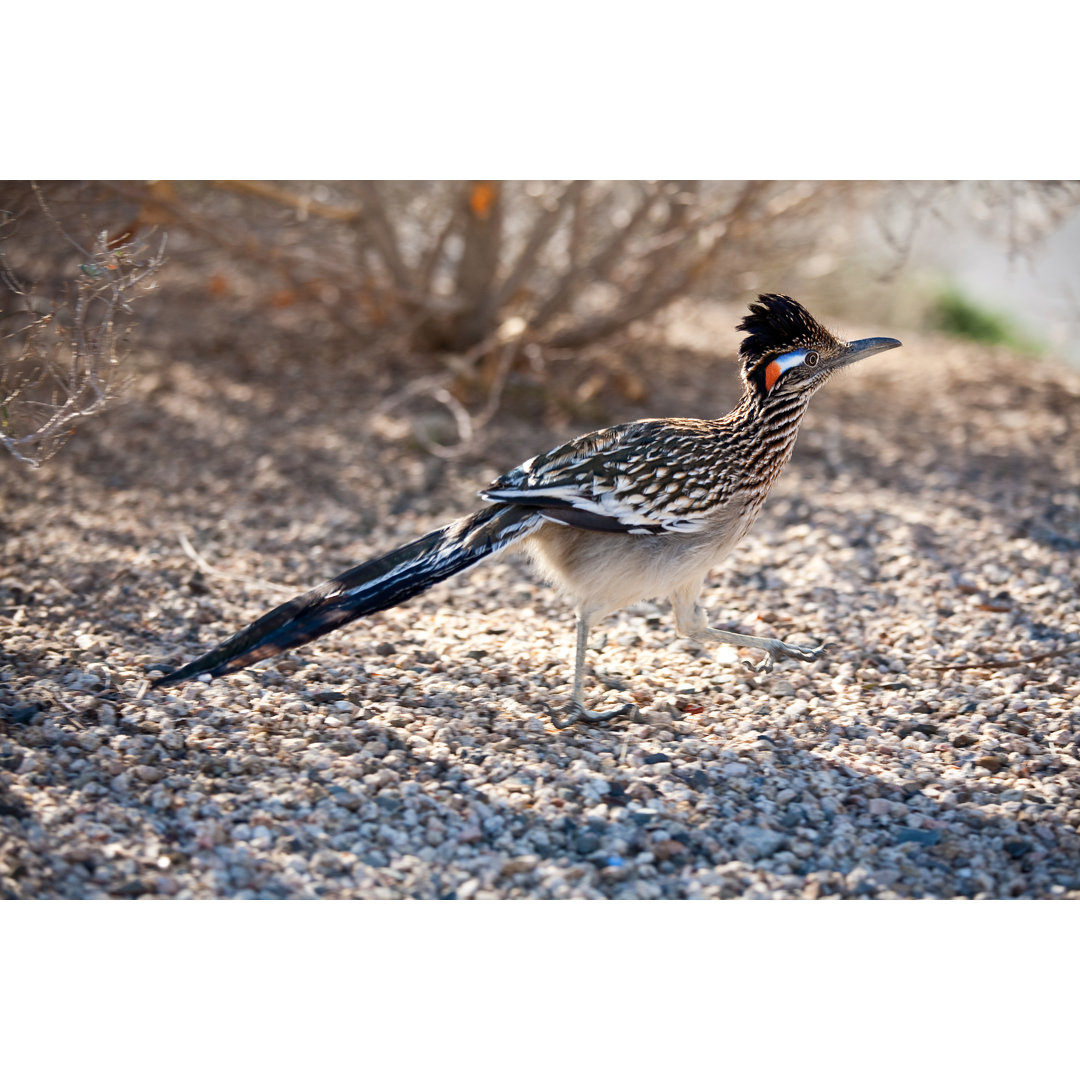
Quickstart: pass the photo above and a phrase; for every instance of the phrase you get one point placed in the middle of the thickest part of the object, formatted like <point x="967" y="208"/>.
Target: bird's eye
<point x="811" y="359"/>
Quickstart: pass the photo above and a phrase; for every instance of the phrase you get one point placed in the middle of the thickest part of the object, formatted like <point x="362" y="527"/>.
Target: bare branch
<point x="479" y="262"/>
<point x="196" y="557"/>
<point x="447" y="265"/>
<point x="651" y="264"/>
<point x="653" y="292"/>
<point x="506" y="340"/>
<point x="61" y="354"/>
<point x="543" y="230"/>
<point x="381" y="230"/>
<point x="601" y="265"/>
<point x="302" y="204"/>
<point x="163" y="206"/>
<point x="435" y="253"/>
<point x="563" y="296"/>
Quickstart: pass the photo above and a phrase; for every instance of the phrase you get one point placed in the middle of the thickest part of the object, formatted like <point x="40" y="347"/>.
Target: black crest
<point x="778" y="324"/>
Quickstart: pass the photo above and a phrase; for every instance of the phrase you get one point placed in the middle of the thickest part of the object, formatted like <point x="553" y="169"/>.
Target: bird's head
<point x="787" y="352"/>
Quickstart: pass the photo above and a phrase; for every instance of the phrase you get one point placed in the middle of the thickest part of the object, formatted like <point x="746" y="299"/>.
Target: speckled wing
<point x="631" y="478"/>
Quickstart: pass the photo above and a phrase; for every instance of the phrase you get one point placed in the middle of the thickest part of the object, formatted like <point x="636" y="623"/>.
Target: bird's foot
<point x="778" y="650"/>
<point x="577" y="711"/>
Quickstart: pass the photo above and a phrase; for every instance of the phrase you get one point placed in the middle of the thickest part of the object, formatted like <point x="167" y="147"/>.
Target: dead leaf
<point x="483" y="195"/>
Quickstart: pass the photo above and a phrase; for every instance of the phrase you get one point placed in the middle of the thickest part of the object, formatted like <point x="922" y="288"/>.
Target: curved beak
<point x="860" y="350"/>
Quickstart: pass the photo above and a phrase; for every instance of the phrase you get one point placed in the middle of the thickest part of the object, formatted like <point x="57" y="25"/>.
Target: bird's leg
<point x="577" y="710"/>
<point x="690" y="620"/>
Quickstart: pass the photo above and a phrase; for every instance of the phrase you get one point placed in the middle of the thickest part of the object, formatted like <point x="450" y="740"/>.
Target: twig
<point x="302" y="204"/>
<point x="1037" y="658"/>
<point x="508" y="336"/>
<point x="47" y="211"/>
<point x="902" y="245"/>
<point x="212" y="571"/>
<point x="462" y="420"/>
<point x="507" y="354"/>
<point x="61" y="704"/>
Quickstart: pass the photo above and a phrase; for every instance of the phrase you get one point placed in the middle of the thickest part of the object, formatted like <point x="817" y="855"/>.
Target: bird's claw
<point x="776" y="650"/>
<point x="761" y="667"/>
<point x="577" y="711"/>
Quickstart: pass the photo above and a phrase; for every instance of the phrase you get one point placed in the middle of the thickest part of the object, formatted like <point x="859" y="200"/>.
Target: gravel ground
<point x="929" y="525"/>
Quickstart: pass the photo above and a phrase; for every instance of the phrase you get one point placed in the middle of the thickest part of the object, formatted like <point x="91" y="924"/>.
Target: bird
<point x="641" y="510"/>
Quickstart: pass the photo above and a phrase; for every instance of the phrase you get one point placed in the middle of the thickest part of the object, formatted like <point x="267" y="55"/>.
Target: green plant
<point x="958" y="315"/>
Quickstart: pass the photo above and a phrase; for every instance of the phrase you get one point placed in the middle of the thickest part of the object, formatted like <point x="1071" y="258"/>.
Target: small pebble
<point x="925" y="837"/>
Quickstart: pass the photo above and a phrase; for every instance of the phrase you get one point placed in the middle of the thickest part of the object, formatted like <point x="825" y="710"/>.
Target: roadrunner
<point x="637" y="511"/>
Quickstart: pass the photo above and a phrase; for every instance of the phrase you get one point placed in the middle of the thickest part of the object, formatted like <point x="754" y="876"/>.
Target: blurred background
<point x="466" y="295"/>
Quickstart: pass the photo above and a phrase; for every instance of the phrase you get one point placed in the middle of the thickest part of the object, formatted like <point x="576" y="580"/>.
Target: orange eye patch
<point x="777" y="367"/>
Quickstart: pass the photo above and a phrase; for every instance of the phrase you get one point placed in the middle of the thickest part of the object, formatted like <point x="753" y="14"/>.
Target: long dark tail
<point x="373" y="586"/>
